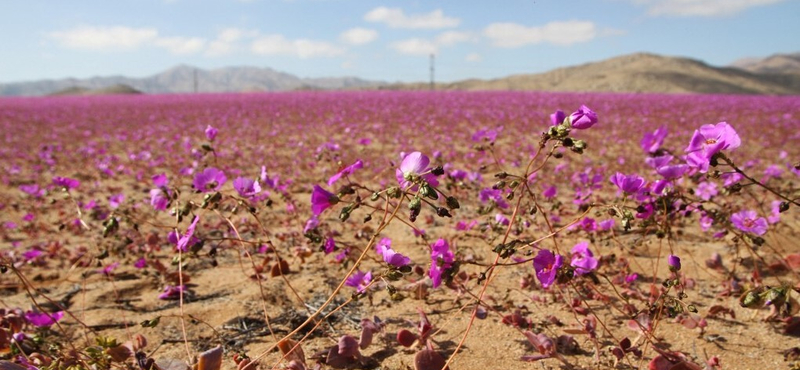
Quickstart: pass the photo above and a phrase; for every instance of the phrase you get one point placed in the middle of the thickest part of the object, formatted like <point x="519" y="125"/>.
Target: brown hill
<point x="640" y="72"/>
<point x="778" y="63"/>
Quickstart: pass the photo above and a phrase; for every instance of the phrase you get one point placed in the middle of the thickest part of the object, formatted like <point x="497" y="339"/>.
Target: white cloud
<point x="301" y="48"/>
<point x="227" y="41"/>
<point x="181" y="45"/>
<point x="473" y="57"/>
<point x="358" y="36"/>
<point x="512" y="35"/>
<point x="453" y="37"/>
<point x="415" y="47"/>
<point x="104" y="38"/>
<point x="396" y="18"/>
<point x="703" y="8"/>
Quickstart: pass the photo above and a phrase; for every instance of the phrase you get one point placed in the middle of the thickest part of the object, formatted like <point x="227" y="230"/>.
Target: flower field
<point x="400" y="230"/>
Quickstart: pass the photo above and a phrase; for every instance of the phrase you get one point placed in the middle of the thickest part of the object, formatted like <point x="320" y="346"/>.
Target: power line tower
<point x="433" y="85"/>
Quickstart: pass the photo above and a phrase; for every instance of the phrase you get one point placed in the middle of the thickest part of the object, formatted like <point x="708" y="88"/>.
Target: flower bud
<point x="452" y="203"/>
<point x="674" y="263"/>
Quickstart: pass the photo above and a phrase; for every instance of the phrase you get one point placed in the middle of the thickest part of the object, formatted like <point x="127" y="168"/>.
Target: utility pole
<point x="433" y="86"/>
<point x="195" y="80"/>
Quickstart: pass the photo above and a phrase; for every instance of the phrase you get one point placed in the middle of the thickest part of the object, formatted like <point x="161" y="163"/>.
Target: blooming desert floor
<point x="255" y="271"/>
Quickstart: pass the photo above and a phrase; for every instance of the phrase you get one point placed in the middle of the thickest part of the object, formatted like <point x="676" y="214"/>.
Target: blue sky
<point x="381" y="40"/>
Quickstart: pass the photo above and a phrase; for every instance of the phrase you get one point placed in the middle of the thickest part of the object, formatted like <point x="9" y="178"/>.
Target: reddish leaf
<point x="428" y="359"/>
<point x="406" y="338"/>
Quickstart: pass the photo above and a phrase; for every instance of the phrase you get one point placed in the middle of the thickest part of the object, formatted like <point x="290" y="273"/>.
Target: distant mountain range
<point x="181" y="79"/>
<point x="642" y="72"/>
<point x="651" y="73"/>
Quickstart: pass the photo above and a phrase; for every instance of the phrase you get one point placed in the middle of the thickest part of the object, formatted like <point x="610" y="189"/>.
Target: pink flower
<point x="211" y="133"/>
<point x="546" y="265"/>
<point x="346" y="171"/>
<point x="749" y="222"/>
<point x="384" y="248"/>
<point x="321" y="200"/>
<point x="211" y="179"/>
<point x="247" y="188"/>
<point x="42" y="319"/>
<point x="709" y="140"/>
<point x="583" y="259"/>
<point x="359" y="280"/>
<point x="414" y="165"/>
<point x="630" y="184"/>
<point x="441" y="259"/>
<point x="583" y="118"/>
<point x="653" y="140"/>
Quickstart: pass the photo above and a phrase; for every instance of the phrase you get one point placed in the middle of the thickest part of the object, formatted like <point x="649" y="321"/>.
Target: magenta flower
<point x="630" y="184"/>
<point x="211" y="179"/>
<point x="583" y="118"/>
<point x="211" y="133"/>
<point x="749" y="222"/>
<point x="321" y="200"/>
<point x="108" y="270"/>
<point x="160" y="180"/>
<point x="188" y="239"/>
<point x="159" y="199"/>
<point x="583" y="259"/>
<point x="671" y="172"/>
<point x="775" y="212"/>
<point x="140" y="263"/>
<point x="550" y="192"/>
<point x="660" y="161"/>
<point x="116" y="200"/>
<point x="66" y="182"/>
<point x="346" y="171"/>
<point x="546" y="265"/>
<point x="501" y="220"/>
<point x="652" y="141"/>
<point x="172" y="292"/>
<point x="706" y="190"/>
<point x="415" y="165"/>
<point x="247" y="188"/>
<point x="359" y="280"/>
<point x="384" y="248"/>
<point x="557" y="117"/>
<point x="330" y="245"/>
<point x="441" y="259"/>
<point x="42" y="319"/>
<point x="311" y="224"/>
<point x="709" y="140"/>
<point x="674" y="263"/>
<point x="32" y="190"/>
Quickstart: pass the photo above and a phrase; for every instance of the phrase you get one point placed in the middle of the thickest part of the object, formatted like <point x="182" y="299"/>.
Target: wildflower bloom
<point x="172" y="292"/>
<point x="330" y="245"/>
<point x="709" y="140"/>
<point x="66" y="182"/>
<point x="211" y="132"/>
<point x="42" y="319"/>
<point x="359" y="280"/>
<point x="188" y="239"/>
<point x="749" y="222"/>
<point x="557" y="117"/>
<point x="673" y="171"/>
<point x="660" y="161"/>
<point x="384" y="248"/>
<point x="160" y="180"/>
<point x="583" y="259"/>
<point x="211" y="179"/>
<point x="321" y="199"/>
<point x="32" y="190"/>
<point x="706" y="190"/>
<point x="159" y="199"/>
<point x="630" y="184"/>
<point x="501" y="220"/>
<point x="116" y="200"/>
<point x="246" y="188"/>
<point x="775" y="212"/>
<point x="346" y="171"/>
<point x="674" y="263"/>
<point x="652" y="141"/>
<point x="441" y="259"/>
<point x="415" y="165"/>
<point x="546" y="265"/>
<point x="583" y="118"/>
